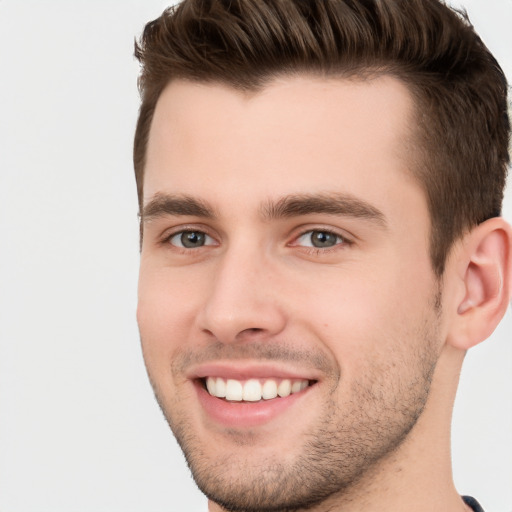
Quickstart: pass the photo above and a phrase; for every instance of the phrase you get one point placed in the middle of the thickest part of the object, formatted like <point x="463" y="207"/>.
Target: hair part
<point x="461" y="136"/>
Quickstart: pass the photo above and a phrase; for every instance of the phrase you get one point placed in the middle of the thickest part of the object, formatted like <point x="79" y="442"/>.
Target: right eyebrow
<point x="176" y="205"/>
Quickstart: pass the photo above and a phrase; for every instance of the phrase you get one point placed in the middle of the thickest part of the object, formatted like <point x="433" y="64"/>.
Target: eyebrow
<point x="330" y="204"/>
<point x="294" y="205"/>
<point x="165" y="204"/>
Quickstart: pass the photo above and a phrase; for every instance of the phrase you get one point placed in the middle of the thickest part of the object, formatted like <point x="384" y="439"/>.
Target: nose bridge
<point x="242" y="299"/>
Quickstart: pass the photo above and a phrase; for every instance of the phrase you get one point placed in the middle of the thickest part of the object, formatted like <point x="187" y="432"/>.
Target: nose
<point x="243" y="299"/>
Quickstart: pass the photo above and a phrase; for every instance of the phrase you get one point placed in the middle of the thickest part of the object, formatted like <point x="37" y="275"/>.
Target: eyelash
<point x="339" y="245"/>
<point x="342" y="241"/>
<point x="166" y="239"/>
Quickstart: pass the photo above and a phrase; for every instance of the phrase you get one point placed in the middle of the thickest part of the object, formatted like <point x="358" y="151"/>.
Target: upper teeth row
<point x="253" y="390"/>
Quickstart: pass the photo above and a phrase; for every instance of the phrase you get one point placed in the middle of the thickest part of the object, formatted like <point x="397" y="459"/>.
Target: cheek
<point x="165" y="313"/>
<point x="359" y="314"/>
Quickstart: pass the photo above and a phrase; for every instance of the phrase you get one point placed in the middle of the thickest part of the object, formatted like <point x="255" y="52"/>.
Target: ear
<point x="485" y="267"/>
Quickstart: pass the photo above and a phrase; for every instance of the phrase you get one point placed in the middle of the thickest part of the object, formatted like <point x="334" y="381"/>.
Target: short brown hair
<point x="462" y="132"/>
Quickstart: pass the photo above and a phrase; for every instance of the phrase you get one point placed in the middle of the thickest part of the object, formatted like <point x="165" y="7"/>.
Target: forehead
<point x="297" y="135"/>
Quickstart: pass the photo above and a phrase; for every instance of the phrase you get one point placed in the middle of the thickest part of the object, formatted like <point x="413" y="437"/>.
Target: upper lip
<point x="243" y="370"/>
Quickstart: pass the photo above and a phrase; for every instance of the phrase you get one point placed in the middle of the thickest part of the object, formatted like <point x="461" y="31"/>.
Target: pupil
<point x="323" y="239"/>
<point x="192" y="239"/>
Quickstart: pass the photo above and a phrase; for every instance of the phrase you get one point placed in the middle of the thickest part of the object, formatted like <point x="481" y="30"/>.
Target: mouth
<point x="253" y="389"/>
<point x="250" y="402"/>
<point x="245" y="394"/>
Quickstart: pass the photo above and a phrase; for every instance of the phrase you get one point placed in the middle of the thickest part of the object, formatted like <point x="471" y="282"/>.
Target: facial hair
<point x="344" y="443"/>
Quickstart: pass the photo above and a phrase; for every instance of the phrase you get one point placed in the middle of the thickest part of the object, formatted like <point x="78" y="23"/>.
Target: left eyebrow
<point x="331" y="204"/>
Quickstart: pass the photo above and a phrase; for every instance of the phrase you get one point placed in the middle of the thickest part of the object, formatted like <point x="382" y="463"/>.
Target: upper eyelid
<point x="342" y="233"/>
<point x="323" y="230"/>
<point x="168" y="233"/>
<point x="330" y="232"/>
<point x="177" y="233"/>
<point x="344" y="240"/>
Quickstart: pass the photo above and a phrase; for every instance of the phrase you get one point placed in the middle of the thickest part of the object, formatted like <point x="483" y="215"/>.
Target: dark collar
<point x="468" y="500"/>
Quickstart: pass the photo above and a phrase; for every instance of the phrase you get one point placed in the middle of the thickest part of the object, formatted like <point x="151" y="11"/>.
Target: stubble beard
<point x="342" y="446"/>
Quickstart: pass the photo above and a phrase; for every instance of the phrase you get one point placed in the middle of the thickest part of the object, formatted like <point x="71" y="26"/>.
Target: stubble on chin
<point x="340" y="447"/>
<point x="330" y="459"/>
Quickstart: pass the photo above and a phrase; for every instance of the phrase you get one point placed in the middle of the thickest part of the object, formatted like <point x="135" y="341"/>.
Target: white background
<point x="79" y="428"/>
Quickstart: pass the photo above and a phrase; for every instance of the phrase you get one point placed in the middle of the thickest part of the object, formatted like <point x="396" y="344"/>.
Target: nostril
<point x="238" y="319"/>
<point x="250" y="330"/>
<point x="250" y="334"/>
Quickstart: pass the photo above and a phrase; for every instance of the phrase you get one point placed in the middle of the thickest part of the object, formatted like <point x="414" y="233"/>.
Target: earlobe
<point x="487" y="271"/>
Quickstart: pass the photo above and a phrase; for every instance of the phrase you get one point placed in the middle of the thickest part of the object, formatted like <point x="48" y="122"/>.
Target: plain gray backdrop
<point x="79" y="428"/>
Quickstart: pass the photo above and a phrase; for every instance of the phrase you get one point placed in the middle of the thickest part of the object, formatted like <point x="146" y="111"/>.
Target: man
<point x="320" y="186"/>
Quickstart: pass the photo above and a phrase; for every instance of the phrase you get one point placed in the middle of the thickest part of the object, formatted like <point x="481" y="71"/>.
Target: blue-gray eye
<point x="191" y="239"/>
<point x="319" y="239"/>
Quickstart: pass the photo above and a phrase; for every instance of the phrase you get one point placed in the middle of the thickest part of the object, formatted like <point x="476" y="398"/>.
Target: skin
<point x="366" y="320"/>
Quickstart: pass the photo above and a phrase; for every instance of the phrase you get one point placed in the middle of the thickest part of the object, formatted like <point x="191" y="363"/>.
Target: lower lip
<point x="245" y="414"/>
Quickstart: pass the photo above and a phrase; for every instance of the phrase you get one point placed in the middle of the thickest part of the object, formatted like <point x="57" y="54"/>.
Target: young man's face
<point x="286" y="245"/>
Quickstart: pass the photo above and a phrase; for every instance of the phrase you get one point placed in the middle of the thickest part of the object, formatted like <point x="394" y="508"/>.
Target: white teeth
<point x="210" y="386"/>
<point x="253" y="390"/>
<point x="220" y="388"/>
<point x="269" y="389"/>
<point x="296" y="386"/>
<point x="284" y="388"/>
<point x="299" y="385"/>
<point x="234" y="390"/>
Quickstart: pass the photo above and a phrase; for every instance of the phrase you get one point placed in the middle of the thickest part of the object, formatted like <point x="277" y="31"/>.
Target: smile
<point x="246" y="394"/>
<point x="253" y="390"/>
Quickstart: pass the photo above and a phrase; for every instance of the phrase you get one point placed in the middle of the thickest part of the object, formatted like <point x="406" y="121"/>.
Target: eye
<point x="320" y="239"/>
<point x="191" y="239"/>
